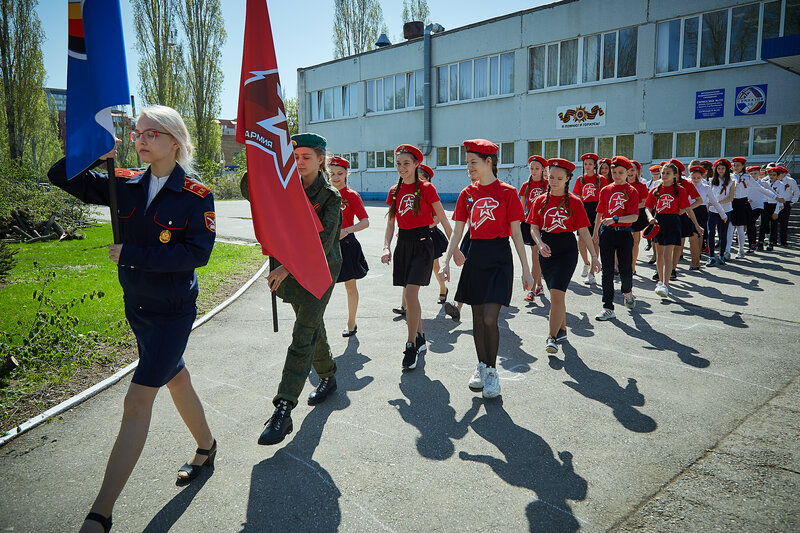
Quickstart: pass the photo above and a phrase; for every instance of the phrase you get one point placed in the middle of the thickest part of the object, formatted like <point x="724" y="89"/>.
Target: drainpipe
<point x="427" y="144"/>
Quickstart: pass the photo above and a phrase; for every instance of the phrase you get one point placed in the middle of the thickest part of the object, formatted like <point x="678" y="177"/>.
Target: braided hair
<point x="564" y="204"/>
<point x="676" y="182"/>
<point x="416" y="207"/>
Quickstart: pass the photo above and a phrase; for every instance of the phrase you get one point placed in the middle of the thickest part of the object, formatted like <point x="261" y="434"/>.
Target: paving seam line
<point x="81" y="397"/>
<point x="705" y="454"/>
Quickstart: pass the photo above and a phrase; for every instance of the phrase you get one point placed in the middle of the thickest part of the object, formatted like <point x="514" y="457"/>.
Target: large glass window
<point x="537" y="66"/>
<point x="419" y="88"/>
<point x="534" y="148"/>
<point x="327" y="104"/>
<point x="626" y="57"/>
<point x="609" y="54"/>
<point x="788" y="133"/>
<point x="494" y="68"/>
<point x="550" y="149"/>
<point x="771" y="23"/>
<point x="765" y="141"/>
<point x="605" y="147"/>
<point x="662" y="145"/>
<point x="481" y="77"/>
<point x="506" y="153"/>
<point x="585" y="145"/>
<point x="714" y="39"/>
<point x="685" y="144"/>
<point x="552" y="65"/>
<point x="690" y="31"/>
<point x="591" y="58"/>
<point x="737" y="141"/>
<point x="314" y="97"/>
<point x="338" y="102"/>
<point x="624" y="146"/>
<point x="668" y="36"/>
<point x="744" y="36"/>
<point x="569" y="62"/>
<point x="453" y="83"/>
<point x="399" y="91"/>
<point x="388" y="93"/>
<point x="465" y="77"/>
<point x="441" y="156"/>
<point x="444" y="84"/>
<point x="568" y="149"/>
<point x="477" y="78"/>
<point x="710" y="143"/>
<point x="507" y="73"/>
<point x="791" y="18"/>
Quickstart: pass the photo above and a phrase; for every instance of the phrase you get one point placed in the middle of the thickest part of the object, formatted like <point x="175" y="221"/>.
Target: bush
<point x="6" y="261"/>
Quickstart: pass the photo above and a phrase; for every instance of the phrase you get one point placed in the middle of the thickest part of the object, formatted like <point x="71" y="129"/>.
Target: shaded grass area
<point x="101" y="341"/>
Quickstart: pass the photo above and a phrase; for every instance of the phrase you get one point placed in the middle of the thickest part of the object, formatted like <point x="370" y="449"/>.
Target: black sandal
<point x="443" y="296"/>
<point x="192" y="471"/>
<point x="100" y="519"/>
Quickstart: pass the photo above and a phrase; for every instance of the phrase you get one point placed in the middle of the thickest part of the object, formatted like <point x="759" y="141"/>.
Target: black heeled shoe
<point x="192" y="471"/>
<point x="100" y="519"/>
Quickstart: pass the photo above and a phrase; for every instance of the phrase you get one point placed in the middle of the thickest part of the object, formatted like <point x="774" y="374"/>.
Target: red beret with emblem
<point x="677" y="163"/>
<point x="621" y="161"/>
<point x="481" y="146"/>
<point x="542" y="161"/>
<point x="651" y="230"/>
<point x="637" y="165"/>
<point x="753" y="168"/>
<point x="426" y="169"/>
<point x="739" y="159"/>
<point x="655" y="168"/>
<point x="590" y="155"/>
<point x="722" y="161"/>
<point x="561" y="163"/>
<point x="411" y="149"/>
<point x="339" y="162"/>
<point x="780" y="169"/>
<point x="697" y="168"/>
<point x="706" y="163"/>
<point x="605" y="160"/>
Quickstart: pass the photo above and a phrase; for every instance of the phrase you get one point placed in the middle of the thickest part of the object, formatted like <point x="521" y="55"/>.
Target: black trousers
<point x="783" y="220"/>
<point x="752" y="229"/>
<point x="768" y="225"/>
<point x="619" y="243"/>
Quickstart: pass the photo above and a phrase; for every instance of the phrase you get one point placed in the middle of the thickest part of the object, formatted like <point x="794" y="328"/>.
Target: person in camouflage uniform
<point x="309" y="339"/>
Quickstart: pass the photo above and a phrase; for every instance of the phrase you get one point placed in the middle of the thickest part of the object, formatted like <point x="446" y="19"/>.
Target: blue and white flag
<point x="97" y="80"/>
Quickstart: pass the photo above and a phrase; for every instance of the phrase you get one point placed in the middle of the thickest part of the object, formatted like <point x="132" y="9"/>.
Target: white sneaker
<point x="605" y="314"/>
<point x="589" y="280"/>
<point x="476" y="381"/>
<point x="663" y="291"/>
<point x="552" y="345"/>
<point x="585" y="271"/>
<point x="491" y="384"/>
<point x="740" y="255"/>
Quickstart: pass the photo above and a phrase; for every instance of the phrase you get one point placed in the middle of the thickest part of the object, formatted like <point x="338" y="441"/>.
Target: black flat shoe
<point x="325" y="387"/>
<point x="100" y="519"/>
<point x="452" y="311"/>
<point x="279" y="424"/>
<point x="350" y="332"/>
<point x="399" y="311"/>
<point x="192" y="471"/>
<point x="443" y="296"/>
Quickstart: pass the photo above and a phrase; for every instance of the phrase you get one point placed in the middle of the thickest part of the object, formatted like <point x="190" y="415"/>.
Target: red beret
<point x="697" y="168"/>
<point x="722" y="161"/>
<point x="651" y="230"/>
<point x="411" y="149"/>
<point x="706" y="163"/>
<point x="780" y="169"/>
<point x="425" y="168"/>
<point x="339" y="162"/>
<point x="655" y="168"/>
<point x="739" y="159"/>
<point x="637" y="165"/>
<point x="590" y="155"/>
<point x="538" y="158"/>
<point x="481" y="146"/>
<point x="678" y="164"/>
<point x="621" y="161"/>
<point x="753" y="168"/>
<point x="562" y="163"/>
<point x="605" y="160"/>
<point x="662" y="163"/>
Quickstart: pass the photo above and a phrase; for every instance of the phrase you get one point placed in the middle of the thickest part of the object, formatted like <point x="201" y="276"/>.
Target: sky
<point x="302" y="35"/>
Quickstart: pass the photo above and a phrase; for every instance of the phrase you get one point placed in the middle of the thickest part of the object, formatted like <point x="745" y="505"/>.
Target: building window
<point x="415" y="88"/>
<point x="451" y="156"/>
<point x="507" y="154"/>
<point x="662" y="145"/>
<point x="788" y="133"/>
<point x="567" y="149"/>
<point x="572" y="149"/>
<point x="379" y="159"/>
<point x="710" y="143"/>
<point x="737" y="141"/>
<point x="686" y="144"/>
<point x="730" y="142"/>
<point x="476" y="78"/>
<point x="334" y="103"/>
<point x="624" y="146"/>
<point x="394" y="92"/>
<point x="550" y="149"/>
<point x="534" y="148"/>
<point x="585" y="145"/>
<point x="791" y="19"/>
<point x="764" y="140"/>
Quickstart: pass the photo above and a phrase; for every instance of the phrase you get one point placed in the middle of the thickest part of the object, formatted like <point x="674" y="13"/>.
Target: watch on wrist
<point x="615" y="218"/>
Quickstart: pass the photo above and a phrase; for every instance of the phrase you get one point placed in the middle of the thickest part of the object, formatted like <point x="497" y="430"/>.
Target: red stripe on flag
<point x="75" y="28"/>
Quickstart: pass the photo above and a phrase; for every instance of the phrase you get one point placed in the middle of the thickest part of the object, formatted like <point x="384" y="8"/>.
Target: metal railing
<point x="789" y="157"/>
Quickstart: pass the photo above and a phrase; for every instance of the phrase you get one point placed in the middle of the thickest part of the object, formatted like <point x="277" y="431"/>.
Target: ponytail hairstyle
<point x="172" y="123"/>
<point x="416" y="208"/>
<point x="675" y="181"/>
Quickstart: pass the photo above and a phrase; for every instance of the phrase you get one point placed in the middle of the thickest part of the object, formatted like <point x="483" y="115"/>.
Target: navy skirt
<point x="488" y="274"/>
<point x="527" y="238"/>
<point x="161" y="338"/>
<point x="354" y="264"/>
<point x="465" y="244"/>
<point x="741" y="212"/>
<point x="641" y="222"/>
<point x="557" y="270"/>
<point x="701" y="214"/>
<point x="440" y="242"/>
<point x="591" y="212"/>
<point x="670" y="231"/>
<point x="687" y="227"/>
<point x="413" y="257"/>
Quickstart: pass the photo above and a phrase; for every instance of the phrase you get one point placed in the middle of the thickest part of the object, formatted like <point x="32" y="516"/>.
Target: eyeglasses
<point x="148" y="135"/>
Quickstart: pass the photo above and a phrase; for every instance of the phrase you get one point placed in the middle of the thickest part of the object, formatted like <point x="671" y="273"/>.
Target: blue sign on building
<point x="750" y="100"/>
<point x="709" y="104"/>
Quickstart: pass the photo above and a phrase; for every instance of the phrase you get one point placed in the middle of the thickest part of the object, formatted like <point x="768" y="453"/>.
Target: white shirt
<point x="759" y="192"/>
<point x="779" y="189"/>
<point x="703" y="190"/>
<point x="795" y="192"/>
<point x="743" y="183"/>
<point x="718" y="198"/>
<point x="156" y="184"/>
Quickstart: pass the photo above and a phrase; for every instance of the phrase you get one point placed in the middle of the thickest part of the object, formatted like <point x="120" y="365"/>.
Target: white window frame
<point x="723" y="139"/>
<point x="349" y="91"/>
<point x="473" y="98"/>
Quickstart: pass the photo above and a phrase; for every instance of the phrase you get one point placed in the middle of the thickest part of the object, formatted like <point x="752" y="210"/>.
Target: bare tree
<point x="161" y="71"/>
<point x="357" y="24"/>
<point x="204" y="28"/>
<point x="23" y="74"/>
<point x="416" y="10"/>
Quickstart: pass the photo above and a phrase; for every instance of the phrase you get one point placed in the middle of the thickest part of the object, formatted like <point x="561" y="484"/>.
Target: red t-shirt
<point x="352" y="207"/>
<point x="621" y="200"/>
<point x="641" y="188"/>
<point x="405" y="204"/>
<point x="554" y="219"/>
<point x="536" y="188"/>
<point x="493" y="208"/>
<point x="691" y="190"/>
<point x="588" y="189"/>
<point x="666" y="202"/>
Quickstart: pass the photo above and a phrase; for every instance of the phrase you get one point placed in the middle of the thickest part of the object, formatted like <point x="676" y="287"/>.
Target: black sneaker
<point x="561" y="336"/>
<point x="410" y="356"/>
<point x="674" y="275"/>
<point x="452" y="311"/>
<point x="279" y="424"/>
<point x="655" y="277"/>
<point x="421" y="346"/>
<point x="769" y="248"/>
<point x="399" y="311"/>
<point x="325" y="387"/>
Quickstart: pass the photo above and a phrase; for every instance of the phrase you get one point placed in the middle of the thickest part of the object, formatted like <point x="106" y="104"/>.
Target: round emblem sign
<point x="750" y="100"/>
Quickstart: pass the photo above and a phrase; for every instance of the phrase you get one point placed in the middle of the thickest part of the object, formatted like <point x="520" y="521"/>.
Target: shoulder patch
<point x="195" y="187"/>
<point x="126" y="172"/>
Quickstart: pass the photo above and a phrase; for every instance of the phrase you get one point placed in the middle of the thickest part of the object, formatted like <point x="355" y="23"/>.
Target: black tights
<point x="486" y="332"/>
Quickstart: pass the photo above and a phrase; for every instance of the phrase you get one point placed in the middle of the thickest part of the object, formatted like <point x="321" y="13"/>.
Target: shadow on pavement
<point x="174" y="509"/>
<point x="280" y="483"/>
<point x="528" y="462"/>
<point x="601" y="387"/>
<point x="426" y="406"/>
<point x="659" y="341"/>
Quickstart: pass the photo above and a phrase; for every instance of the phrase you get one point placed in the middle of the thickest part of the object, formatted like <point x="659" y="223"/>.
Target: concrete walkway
<point x="681" y="416"/>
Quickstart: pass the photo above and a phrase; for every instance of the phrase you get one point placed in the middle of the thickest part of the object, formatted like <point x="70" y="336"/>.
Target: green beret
<point x="311" y="140"/>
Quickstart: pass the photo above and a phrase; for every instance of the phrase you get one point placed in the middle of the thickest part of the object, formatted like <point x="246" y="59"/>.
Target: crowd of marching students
<point x="601" y="219"/>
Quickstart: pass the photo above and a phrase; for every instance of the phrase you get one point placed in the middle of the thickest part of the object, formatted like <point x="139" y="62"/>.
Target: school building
<point x="648" y="79"/>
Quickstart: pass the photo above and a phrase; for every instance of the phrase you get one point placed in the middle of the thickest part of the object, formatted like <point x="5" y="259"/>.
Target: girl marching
<point x="412" y="203"/>
<point x="487" y="277"/>
<point x="741" y="214"/>
<point x="529" y="191"/>
<point x="554" y="218"/>
<point x="635" y="179"/>
<point x="719" y="212"/>
<point x="354" y="264"/>
<point x="696" y="173"/>
<point x="587" y="188"/>
<point x="773" y="207"/>
<point x="689" y="227"/>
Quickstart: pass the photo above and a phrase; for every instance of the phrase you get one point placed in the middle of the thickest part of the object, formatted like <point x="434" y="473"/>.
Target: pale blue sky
<point x="303" y="35"/>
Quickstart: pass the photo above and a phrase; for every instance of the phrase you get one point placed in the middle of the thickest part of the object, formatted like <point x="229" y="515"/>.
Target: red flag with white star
<point x="285" y="223"/>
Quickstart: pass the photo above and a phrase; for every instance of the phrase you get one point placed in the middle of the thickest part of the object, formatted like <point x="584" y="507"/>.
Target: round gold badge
<point x="165" y="236"/>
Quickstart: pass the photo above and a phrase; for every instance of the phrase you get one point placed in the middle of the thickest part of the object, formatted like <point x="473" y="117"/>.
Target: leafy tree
<point x="357" y="24"/>
<point x="161" y="66"/>
<point x="416" y="10"/>
<point x="291" y="115"/>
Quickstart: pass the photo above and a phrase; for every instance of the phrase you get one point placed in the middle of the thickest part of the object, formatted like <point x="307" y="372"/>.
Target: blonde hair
<point x="171" y="121"/>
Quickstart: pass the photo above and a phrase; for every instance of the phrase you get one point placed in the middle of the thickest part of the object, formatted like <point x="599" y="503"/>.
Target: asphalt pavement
<point x="683" y="415"/>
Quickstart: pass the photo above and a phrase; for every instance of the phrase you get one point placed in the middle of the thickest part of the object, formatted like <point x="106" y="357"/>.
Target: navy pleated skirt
<point x="488" y="274"/>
